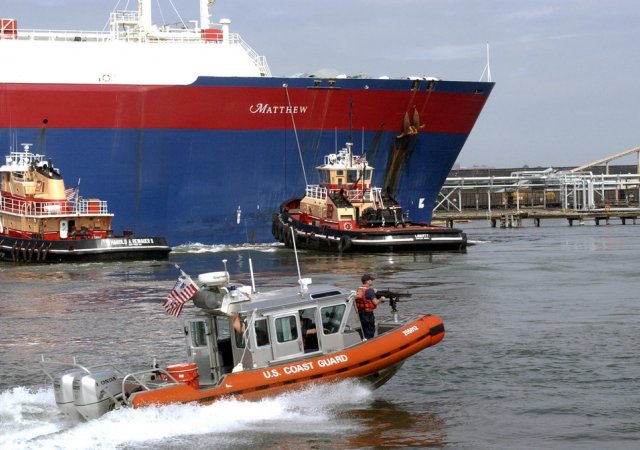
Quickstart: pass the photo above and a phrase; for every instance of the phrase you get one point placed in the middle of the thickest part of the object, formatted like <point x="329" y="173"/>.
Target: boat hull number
<point x="408" y="331"/>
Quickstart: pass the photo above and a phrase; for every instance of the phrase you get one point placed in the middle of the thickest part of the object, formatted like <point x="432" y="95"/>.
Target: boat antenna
<point x="487" y="68"/>
<point x="295" y="132"/>
<point x="224" y="263"/>
<point x="302" y="282"/>
<point x="253" y="281"/>
<point x="295" y="251"/>
<point x="350" y="118"/>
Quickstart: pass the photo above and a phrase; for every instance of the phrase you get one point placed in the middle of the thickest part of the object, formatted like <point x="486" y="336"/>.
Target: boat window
<point x="367" y="175"/>
<point x="222" y="327"/>
<point x="352" y="176"/>
<point x="262" y="332"/>
<point x="339" y="173"/>
<point x="198" y="333"/>
<point x="286" y="329"/>
<point x="325" y="294"/>
<point x="331" y="318"/>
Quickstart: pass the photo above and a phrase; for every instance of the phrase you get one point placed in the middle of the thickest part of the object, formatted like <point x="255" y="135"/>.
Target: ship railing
<point x="373" y="195"/>
<point x="62" y="35"/>
<point x="316" y="191"/>
<point x="260" y="61"/>
<point x="147" y="380"/>
<point x="92" y="206"/>
<point x="19" y="161"/>
<point x="54" y="208"/>
<point x="376" y="195"/>
<point x="168" y="35"/>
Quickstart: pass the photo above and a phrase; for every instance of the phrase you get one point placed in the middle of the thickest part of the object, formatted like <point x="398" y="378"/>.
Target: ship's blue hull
<point x="184" y="185"/>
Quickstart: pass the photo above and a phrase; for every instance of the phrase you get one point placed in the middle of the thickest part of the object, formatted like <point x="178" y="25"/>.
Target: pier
<point x="586" y="193"/>
<point x="514" y="218"/>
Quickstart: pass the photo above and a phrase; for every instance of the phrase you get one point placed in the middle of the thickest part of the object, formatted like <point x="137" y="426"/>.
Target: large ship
<point x="198" y="141"/>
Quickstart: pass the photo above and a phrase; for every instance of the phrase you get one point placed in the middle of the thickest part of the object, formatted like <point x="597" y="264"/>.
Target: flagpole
<point x="77" y="198"/>
<point x="182" y="272"/>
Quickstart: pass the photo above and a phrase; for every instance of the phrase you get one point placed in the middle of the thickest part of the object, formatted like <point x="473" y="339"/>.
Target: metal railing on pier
<point x="578" y="191"/>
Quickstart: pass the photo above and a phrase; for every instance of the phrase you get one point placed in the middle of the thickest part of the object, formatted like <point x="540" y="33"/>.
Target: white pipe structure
<point x="144" y="10"/>
<point x="204" y="14"/>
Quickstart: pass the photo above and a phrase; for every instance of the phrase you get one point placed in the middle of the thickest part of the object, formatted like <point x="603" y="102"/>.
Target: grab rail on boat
<point x="137" y="382"/>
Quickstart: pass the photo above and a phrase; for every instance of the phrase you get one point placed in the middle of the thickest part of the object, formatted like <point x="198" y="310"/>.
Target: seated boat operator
<point x="309" y="334"/>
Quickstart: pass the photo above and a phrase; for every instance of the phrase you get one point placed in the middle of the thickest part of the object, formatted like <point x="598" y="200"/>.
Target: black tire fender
<point x="344" y="244"/>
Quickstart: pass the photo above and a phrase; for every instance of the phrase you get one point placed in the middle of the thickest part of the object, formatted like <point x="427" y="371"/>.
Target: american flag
<point x="184" y="290"/>
<point x="71" y="193"/>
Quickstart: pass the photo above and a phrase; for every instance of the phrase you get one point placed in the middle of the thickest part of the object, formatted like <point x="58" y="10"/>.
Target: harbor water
<point x="541" y="351"/>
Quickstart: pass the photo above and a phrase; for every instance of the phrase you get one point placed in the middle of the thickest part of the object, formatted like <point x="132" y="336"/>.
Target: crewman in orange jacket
<point x="367" y="301"/>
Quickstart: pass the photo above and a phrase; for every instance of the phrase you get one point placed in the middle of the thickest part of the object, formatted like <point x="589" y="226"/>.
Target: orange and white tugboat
<point x="346" y="213"/>
<point x="42" y="222"/>
<point x="250" y="345"/>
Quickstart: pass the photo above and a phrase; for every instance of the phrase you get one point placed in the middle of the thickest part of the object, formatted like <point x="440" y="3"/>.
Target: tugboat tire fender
<point x="279" y="234"/>
<point x="344" y="244"/>
<point x="286" y="238"/>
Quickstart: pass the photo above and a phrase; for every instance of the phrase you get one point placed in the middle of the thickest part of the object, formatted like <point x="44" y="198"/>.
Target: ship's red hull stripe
<point x="232" y="108"/>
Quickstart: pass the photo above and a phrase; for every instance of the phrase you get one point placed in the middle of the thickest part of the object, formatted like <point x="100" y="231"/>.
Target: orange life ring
<point x="347" y="226"/>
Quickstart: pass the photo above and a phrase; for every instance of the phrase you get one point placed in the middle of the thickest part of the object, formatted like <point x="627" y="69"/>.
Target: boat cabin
<point x="345" y="197"/>
<point x="271" y="328"/>
<point x="35" y="204"/>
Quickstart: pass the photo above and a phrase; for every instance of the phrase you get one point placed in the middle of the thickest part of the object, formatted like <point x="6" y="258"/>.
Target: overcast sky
<point x="567" y="72"/>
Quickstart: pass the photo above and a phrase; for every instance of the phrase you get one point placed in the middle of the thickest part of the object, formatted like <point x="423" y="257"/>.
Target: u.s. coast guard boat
<point x="247" y="344"/>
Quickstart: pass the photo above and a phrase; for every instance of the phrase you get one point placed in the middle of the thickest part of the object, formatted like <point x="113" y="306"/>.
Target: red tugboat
<point x="42" y="222"/>
<point x="346" y="213"/>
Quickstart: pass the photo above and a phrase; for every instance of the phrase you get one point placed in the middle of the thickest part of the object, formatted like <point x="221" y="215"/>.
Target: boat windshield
<point x="332" y="318"/>
<point x="286" y="328"/>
